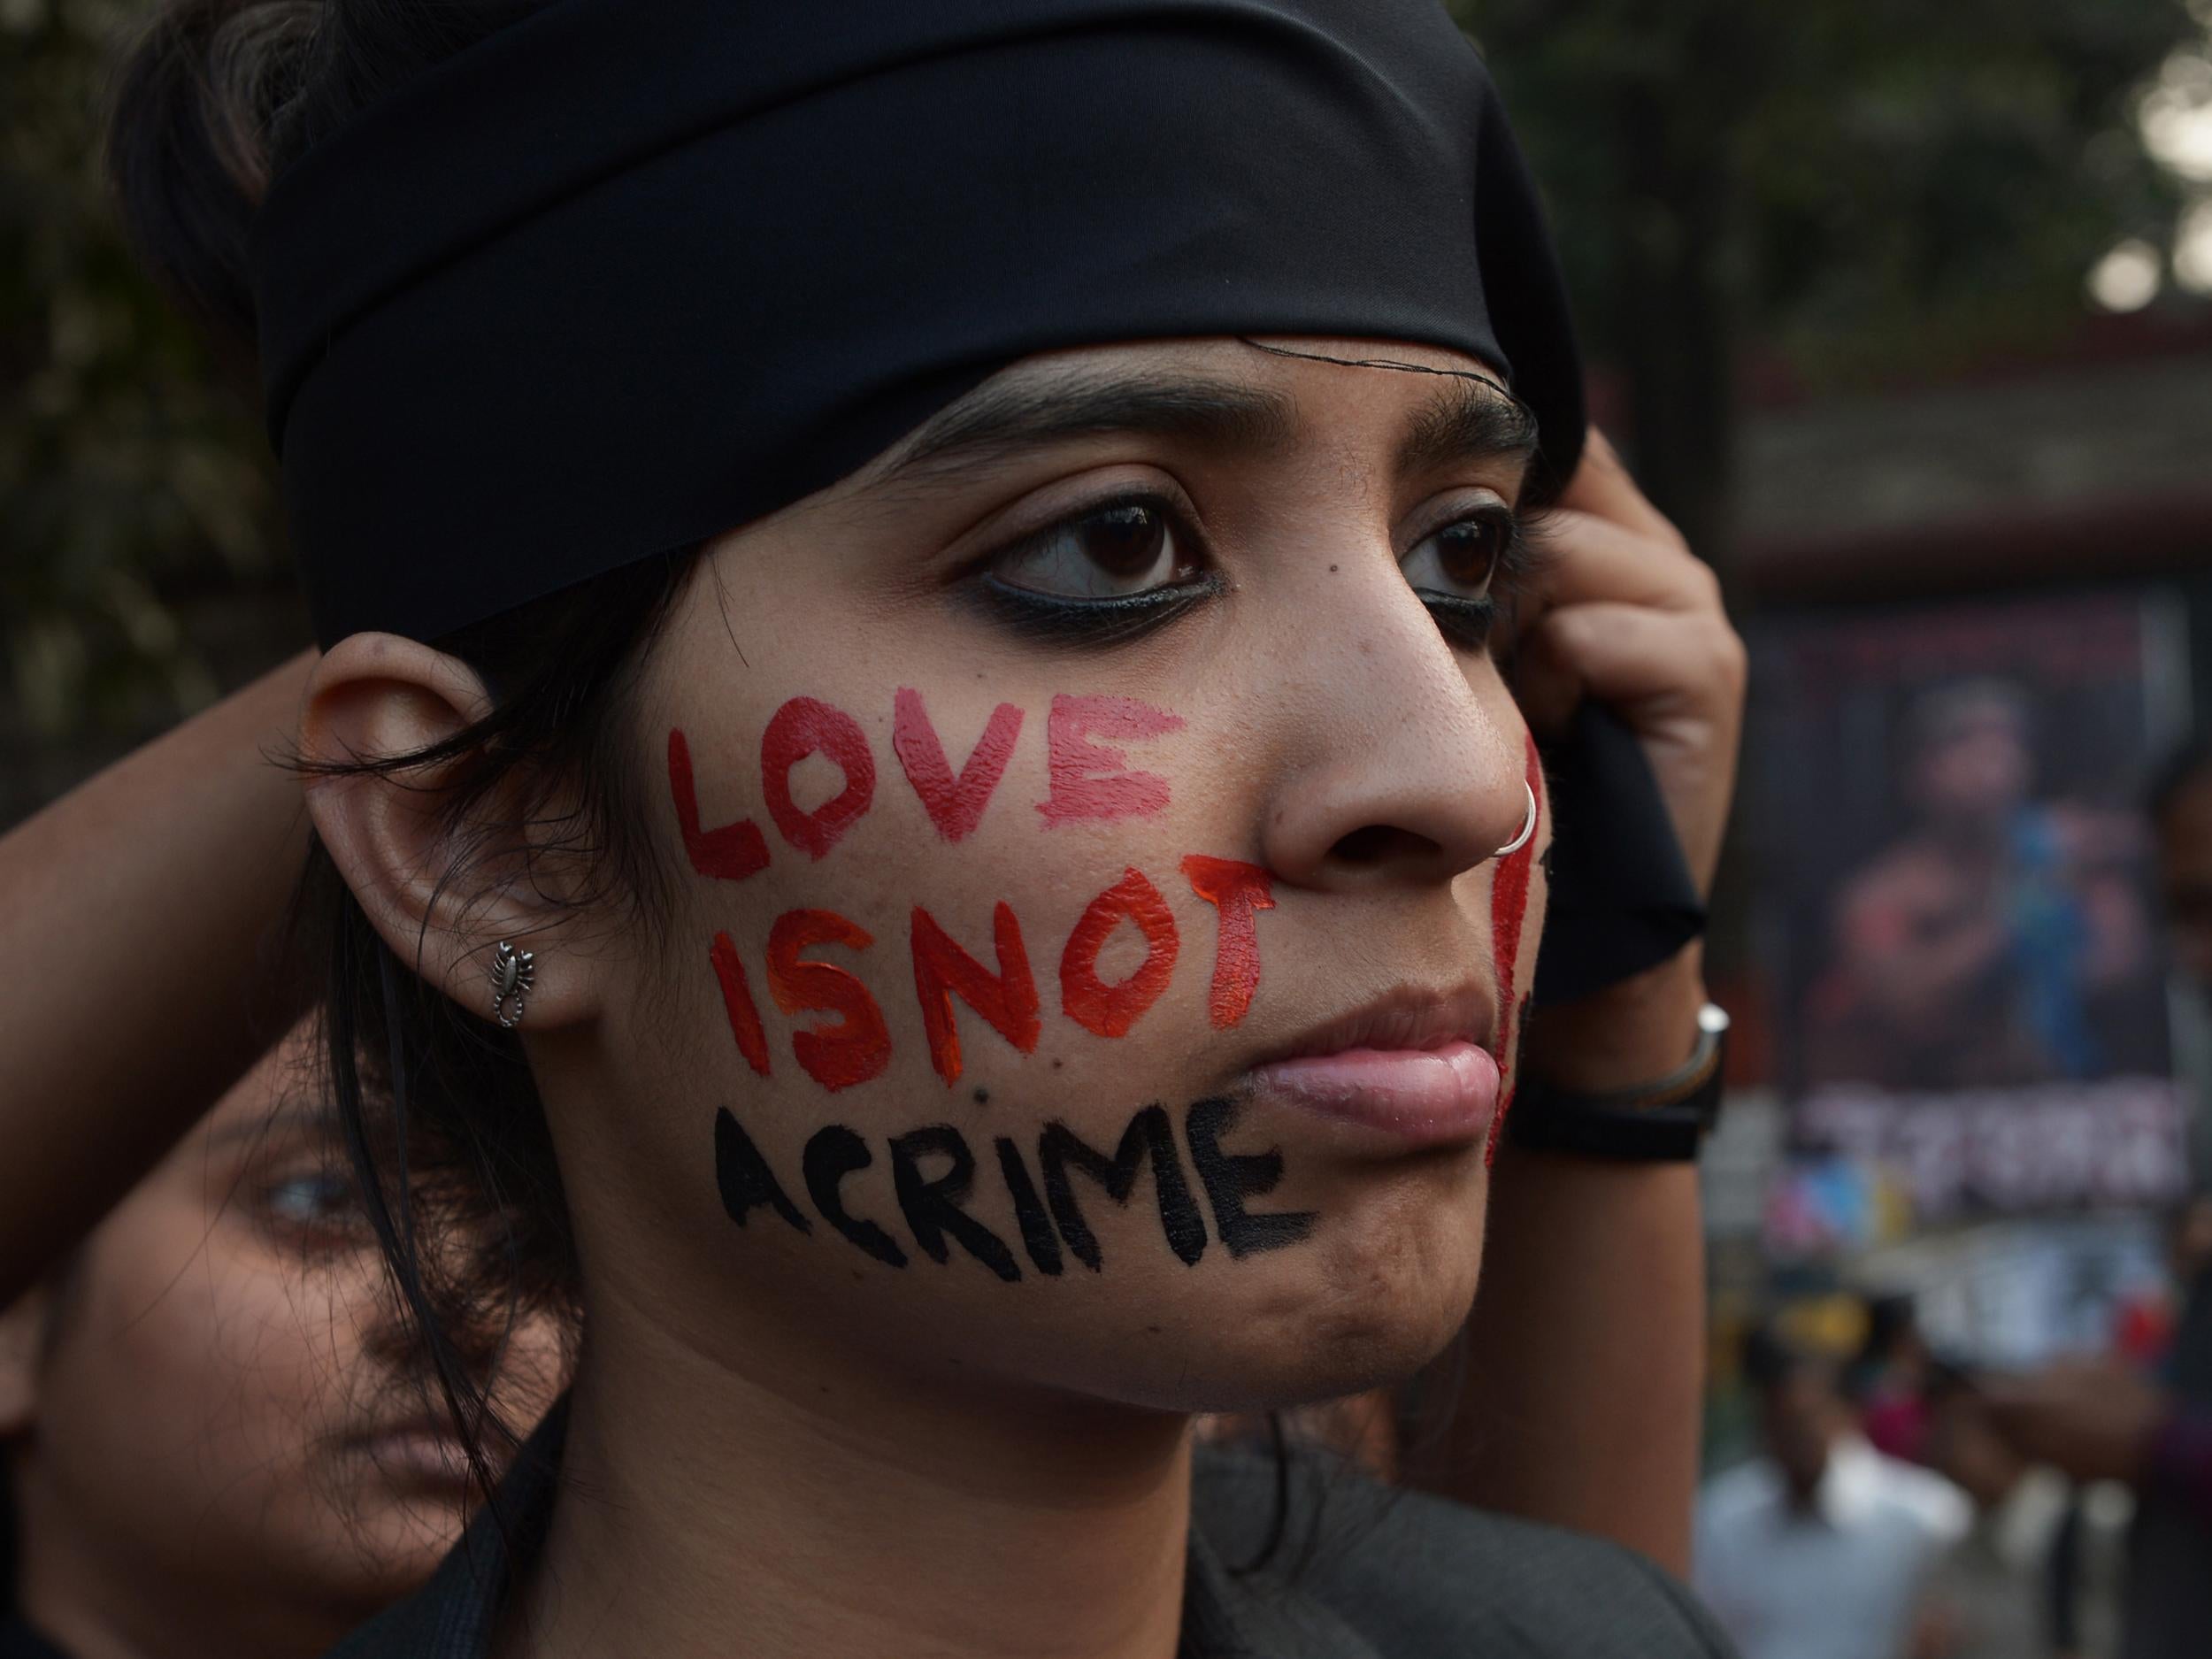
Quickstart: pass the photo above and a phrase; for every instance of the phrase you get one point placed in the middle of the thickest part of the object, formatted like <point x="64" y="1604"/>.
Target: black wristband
<point x="1662" y="1122"/>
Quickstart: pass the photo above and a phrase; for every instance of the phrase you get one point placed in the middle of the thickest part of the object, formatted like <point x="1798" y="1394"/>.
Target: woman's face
<point x="220" y="1428"/>
<point x="1089" y="965"/>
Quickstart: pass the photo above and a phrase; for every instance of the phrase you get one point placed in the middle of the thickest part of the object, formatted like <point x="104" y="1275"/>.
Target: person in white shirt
<point x="1822" y="1548"/>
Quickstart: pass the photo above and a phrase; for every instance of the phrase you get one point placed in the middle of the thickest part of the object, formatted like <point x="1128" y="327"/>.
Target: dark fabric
<point x="1377" y="1572"/>
<point x="622" y="277"/>
<point x="1362" y="1572"/>
<point x="1621" y="897"/>
<point x="18" y="1641"/>
<point x="2169" y="1589"/>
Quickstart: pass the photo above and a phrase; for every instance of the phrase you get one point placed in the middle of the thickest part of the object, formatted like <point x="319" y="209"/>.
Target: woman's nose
<point x="1396" y="770"/>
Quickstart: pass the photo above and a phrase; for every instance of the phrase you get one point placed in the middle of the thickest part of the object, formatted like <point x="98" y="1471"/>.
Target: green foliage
<point x="133" y="479"/>
<point x="1874" y="184"/>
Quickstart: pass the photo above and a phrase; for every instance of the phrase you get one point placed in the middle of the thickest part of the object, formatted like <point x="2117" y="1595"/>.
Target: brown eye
<point x="1110" y="552"/>
<point x="1460" y="560"/>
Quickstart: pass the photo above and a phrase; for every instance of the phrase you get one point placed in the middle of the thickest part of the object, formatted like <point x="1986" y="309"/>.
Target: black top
<point x="18" y="1641"/>
<point x="1362" y="1572"/>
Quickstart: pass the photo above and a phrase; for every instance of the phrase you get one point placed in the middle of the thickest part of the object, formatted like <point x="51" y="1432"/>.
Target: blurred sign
<point x="1830" y="1206"/>
<point x="2020" y="1295"/>
<point x="1955" y="888"/>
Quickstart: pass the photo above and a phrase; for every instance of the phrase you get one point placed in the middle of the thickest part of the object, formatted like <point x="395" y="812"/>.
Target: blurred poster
<point x="1955" y="877"/>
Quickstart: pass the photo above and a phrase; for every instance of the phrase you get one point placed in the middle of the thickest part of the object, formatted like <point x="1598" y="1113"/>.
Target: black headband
<point x="631" y="273"/>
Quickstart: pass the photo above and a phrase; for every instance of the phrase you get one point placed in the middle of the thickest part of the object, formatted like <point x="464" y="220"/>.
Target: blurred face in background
<point x="1974" y="765"/>
<point x="211" y="1419"/>
<point x="1799" y="1416"/>
<point x="2185" y="862"/>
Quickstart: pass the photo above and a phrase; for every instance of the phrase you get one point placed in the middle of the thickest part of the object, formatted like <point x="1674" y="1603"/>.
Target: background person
<point x="218" y="1433"/>
<point x="2106" y="1422"/>
<point x="1996" y="1594"/>
<point x="1820" y="1548"/>
<point x="215" y="1429"/>
<point x="1888" y="1378"/>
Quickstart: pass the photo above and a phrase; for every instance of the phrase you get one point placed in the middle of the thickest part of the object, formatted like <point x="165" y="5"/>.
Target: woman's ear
<point x="443" y="883"/>
<point x="21" y="1327"/>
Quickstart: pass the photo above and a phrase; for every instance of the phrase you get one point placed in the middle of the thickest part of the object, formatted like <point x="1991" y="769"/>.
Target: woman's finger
<point x="1677" y="680"/>
<point x="1601" y="486"/>
<point x="1625" y="654"/>
<point x="1591" y="559"/>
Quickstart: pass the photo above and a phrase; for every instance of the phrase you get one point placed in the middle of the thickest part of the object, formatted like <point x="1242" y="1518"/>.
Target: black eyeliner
<point x="1466" y="623"/>
<point x="1096" y="623"/>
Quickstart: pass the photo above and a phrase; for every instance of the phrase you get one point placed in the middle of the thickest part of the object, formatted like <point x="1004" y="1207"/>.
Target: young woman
<point x="216" y="1436"/>
<point x="216" y="1439"/>
<point x="909" y="613"/>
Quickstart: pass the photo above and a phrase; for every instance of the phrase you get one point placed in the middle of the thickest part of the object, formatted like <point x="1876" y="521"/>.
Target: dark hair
<point x="446" y="1132"/>
<point x="1773" y="1361"/>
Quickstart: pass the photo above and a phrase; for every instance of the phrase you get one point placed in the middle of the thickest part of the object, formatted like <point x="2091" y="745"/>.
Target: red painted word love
<point x="1089" y="780"/>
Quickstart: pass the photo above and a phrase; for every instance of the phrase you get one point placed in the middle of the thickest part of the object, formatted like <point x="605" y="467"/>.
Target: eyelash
<point x="1099" y="624"/>
<point x="1092" y="624"/>
<point x="1469" y="624"/>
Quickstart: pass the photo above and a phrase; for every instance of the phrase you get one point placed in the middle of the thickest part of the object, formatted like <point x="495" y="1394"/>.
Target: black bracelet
<point x="1662" y="1122"/>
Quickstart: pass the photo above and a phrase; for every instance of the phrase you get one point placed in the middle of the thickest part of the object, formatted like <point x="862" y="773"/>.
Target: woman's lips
<point x="1424" y="1096"/>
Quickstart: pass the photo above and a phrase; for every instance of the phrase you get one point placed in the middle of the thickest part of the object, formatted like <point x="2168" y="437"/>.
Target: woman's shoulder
<point x="1413" y="1574"/>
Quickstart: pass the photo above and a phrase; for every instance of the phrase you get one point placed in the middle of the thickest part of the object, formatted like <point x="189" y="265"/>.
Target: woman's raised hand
<point x="1626" y="613"/>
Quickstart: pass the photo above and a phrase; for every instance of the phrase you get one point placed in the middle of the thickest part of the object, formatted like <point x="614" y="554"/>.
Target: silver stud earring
<point x="1528" y="827"/>
<point x="513" y="973"/>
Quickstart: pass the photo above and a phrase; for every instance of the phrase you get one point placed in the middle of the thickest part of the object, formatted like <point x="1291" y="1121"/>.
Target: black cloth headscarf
<point x="622" y="277"/>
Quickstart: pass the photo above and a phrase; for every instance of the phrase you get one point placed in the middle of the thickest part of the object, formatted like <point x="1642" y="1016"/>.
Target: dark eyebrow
<point x="1468" y="420"/>
<point x="995" y="422"/>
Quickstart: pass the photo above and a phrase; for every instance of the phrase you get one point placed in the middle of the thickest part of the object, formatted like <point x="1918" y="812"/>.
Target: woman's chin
<point x="1371" y="1301"/>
